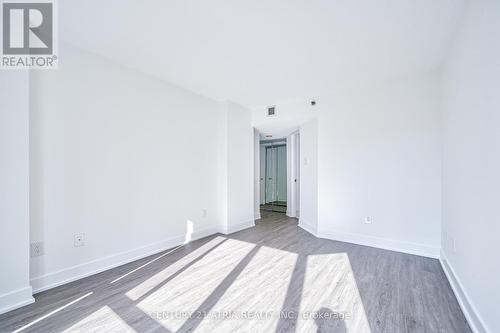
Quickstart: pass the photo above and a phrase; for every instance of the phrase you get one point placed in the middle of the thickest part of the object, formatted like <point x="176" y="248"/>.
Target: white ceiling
<point x="258" y="52"/>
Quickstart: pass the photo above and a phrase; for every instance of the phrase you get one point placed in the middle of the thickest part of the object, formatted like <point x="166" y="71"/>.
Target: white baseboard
<point x="205" y="232"/>
<point x="73" y="273"/>
<point x="384" y="243"/>
<point x="471" y="314"/>
<point x="310" y="228"/>
<point x="16" y="299"/>
<point x="257" y="216"/>
<point x="239" y="226"/>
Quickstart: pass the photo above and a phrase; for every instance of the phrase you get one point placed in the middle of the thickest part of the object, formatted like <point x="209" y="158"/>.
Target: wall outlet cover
<point x="36" y="249"/>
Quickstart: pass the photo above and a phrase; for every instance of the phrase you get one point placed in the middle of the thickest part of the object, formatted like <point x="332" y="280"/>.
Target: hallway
<point x="272" y="277"/>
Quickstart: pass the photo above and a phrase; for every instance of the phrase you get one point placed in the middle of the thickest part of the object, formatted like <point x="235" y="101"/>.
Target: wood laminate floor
<point x="278" y="207"/>
<point x="274" y="277"/>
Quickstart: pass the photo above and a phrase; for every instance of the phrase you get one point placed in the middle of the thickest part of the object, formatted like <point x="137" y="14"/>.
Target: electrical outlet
<point x="368" y="219"/>
<point x="204" y="212"/>
<point x="36" y="249"/>
<point x="79" y="240"/>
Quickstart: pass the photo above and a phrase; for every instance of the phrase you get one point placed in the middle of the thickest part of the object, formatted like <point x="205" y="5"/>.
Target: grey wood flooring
<point x="277" y="206"/>
<point x="274" y="277"/>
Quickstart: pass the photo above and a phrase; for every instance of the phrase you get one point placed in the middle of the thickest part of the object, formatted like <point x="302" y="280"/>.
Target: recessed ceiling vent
<point x="271" y="111"/>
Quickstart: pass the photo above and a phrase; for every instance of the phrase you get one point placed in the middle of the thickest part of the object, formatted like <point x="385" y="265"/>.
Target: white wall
<point x="240" y="167"/>
<point x="373" y="152"/>
<point x="15" y="289"/>
<point x="236" y="137"/>
<point x="379" y="156"/>
<point x="308" y="179"/>
<point x="256" y="174"/>
<point x="124" y="158"/>
<point x="471" y="165"/>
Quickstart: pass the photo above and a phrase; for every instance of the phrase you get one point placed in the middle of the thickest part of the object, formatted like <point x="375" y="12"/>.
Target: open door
<point x="274" y="165"/>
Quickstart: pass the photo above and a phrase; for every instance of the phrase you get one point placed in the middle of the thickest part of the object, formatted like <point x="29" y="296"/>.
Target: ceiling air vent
<point x="271" y="111"/>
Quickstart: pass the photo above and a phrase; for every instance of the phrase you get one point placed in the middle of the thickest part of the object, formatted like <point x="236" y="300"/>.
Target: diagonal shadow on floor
<point x="397" y="291"/>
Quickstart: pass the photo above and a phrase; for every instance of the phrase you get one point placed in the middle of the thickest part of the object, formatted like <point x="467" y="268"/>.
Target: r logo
<point x="27" y="28"/>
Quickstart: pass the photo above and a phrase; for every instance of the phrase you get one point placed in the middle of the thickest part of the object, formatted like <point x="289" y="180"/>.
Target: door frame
<point x="293" y="174"/>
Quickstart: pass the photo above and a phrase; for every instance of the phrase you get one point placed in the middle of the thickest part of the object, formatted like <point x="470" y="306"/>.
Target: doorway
<point x="273" y="175"/>
<point x="277" y="174"/>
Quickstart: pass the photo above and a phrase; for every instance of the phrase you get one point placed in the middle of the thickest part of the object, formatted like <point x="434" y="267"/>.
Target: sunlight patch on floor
<point x="330" y="297"/>
<point x="157" y="278"/>
<point x="146" y="264"/>
<point x="269" y="270"/>
<point x="102" y="320"/>
<point x="52" y="313"/>
<point x="176" y="300"/>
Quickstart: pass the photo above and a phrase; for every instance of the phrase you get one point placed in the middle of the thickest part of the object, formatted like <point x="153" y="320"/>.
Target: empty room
<point x="250" y="166"/>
